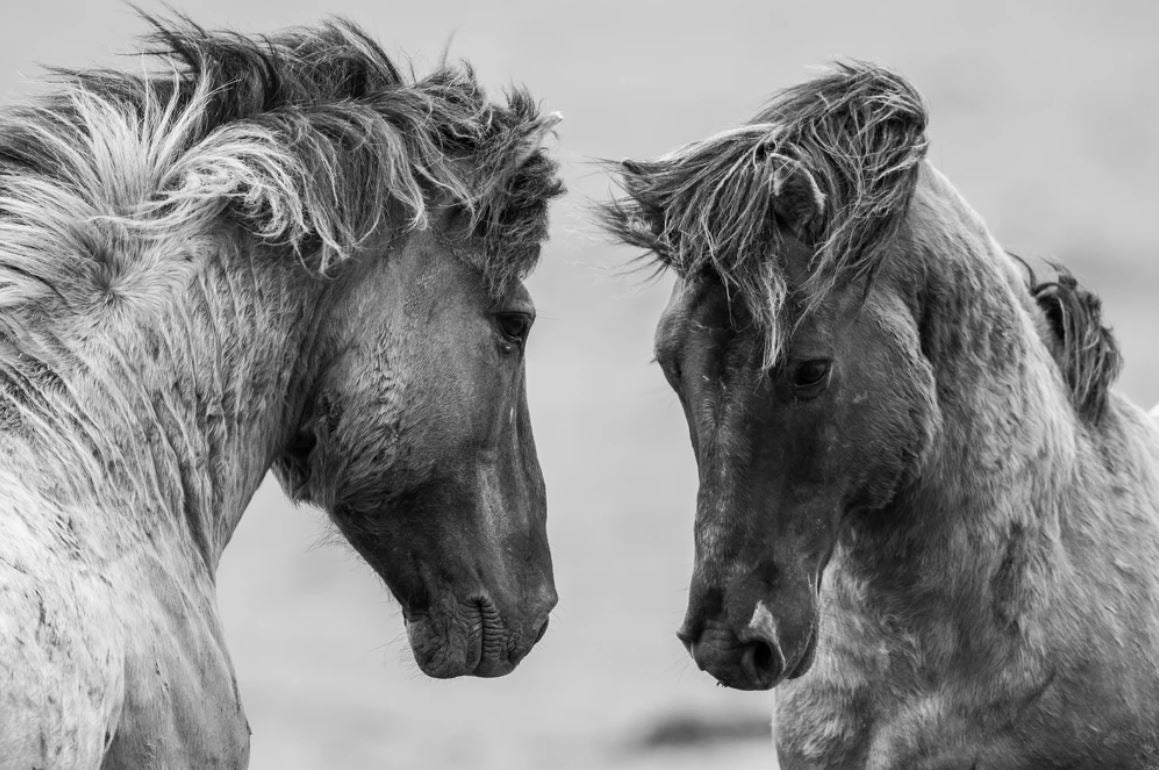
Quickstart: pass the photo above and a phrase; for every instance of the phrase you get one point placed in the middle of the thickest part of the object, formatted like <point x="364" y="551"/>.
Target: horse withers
<point x="921" y="514"/>
<point x="268" y="252"/>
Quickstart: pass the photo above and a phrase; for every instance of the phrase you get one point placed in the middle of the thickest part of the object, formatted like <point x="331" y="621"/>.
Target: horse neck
<point x="164" y="416"/>
<point x="970" y="536"/>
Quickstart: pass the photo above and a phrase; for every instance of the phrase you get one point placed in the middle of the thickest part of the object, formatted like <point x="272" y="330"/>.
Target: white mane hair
<point x="311" y="139"/>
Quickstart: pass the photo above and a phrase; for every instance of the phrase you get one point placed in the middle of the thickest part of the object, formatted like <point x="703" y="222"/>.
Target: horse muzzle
<point x="752" y="657"/>
<point x="472" y="638"/>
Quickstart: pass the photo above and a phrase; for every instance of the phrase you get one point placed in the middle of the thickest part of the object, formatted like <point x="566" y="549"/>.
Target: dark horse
<point x="266" y="252"/>
<point x="921" y="512"/>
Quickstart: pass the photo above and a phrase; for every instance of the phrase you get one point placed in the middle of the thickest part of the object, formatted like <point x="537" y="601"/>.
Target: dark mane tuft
<point x="311" y="138"/>
<point x="1084" y="349"/>
<point x="834" y="161"/>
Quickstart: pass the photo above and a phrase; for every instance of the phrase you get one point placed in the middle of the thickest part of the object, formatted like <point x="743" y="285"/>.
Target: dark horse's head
<point x="804" y="386"/>
<point x="419" y="206"/>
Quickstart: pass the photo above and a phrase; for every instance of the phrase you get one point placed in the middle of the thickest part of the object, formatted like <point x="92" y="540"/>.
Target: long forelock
<point x="851" y="142"/>
<point x="312" y="139"/>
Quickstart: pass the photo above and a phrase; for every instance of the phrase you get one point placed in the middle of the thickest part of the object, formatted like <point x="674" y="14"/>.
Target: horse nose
<point x="762" y="656"/>
<point x="544" y="601"/>
<point x="748" y="659"/>
<point x="542" y="630"/>
<point x="539" y="612"/>
<point x="762" y="662"/>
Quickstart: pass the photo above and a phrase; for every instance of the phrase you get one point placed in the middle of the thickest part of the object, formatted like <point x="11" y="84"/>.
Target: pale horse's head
<point x="415" y="434"/>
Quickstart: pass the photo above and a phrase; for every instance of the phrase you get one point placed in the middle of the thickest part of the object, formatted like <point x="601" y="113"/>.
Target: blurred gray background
<point x="1044" y="116"/>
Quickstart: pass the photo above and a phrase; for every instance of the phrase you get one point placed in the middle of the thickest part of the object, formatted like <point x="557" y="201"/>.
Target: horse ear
<point x="632" y="167"/>
<point x="533" y="139"/>
<point x="636" y="219"/>
<point x="797" y="200"/>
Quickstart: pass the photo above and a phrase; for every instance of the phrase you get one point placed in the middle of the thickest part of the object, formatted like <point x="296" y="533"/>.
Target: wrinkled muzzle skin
<point x="417" y="440"/>
<point x="784" y="457"/>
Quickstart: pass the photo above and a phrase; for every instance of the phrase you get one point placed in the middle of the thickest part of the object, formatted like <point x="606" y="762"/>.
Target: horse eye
<point x="514" y="327"/>
<point x="810" y="373"/>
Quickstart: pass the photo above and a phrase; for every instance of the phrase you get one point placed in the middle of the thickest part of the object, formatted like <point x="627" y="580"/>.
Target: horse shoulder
<point x="182" y="707"/>
<point x="61" y="680"/>
<point x="113" y="654"/>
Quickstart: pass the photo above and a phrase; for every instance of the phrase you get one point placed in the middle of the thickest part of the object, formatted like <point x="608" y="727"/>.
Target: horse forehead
<point x="517" y="297"/>
<point x="426" y="265"/>
<point x="709" y="325"/>
<point x="699" y="299"/>
<point x="674" y="313"/>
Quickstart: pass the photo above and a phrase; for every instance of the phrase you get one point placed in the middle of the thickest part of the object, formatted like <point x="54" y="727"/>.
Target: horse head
<point x="416" y="437"/>
<point x="419" y="207"/>
<point x="793" y="349"/>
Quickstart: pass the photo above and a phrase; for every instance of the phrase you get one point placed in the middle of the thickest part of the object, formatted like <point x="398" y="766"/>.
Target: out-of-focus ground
<point x="1044" y="114"/>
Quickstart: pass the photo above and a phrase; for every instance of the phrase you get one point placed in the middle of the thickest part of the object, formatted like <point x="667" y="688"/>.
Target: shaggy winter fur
<point x="189" y="257"/>
<point x="954" y="537"/>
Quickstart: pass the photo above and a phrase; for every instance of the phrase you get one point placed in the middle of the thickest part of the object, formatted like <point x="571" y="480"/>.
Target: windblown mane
<point x="1084" y="349"/>
<point x="834" y="161"/>
<point x="312" y="138"/>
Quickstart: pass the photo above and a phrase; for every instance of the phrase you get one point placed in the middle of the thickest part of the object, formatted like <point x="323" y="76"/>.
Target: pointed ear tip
<point x="800" y="188"/>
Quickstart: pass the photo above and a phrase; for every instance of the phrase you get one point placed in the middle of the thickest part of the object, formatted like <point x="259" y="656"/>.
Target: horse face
<point x="785" y="456"/>
<point x="418" y="442"/>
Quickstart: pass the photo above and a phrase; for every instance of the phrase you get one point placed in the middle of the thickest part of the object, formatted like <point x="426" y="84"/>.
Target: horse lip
<point x="722" y="655"/>
<point x="465" y="645"/>
<point x="714" y="638"/>
<point x="730" y="675"/>
<point x="442" y="650"/>
<point x="494" y="652"/>
<point x="488" y="668"/>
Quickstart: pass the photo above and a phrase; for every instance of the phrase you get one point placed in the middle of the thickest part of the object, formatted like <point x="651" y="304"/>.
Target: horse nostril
<point x="761" y="660"/>
<point x="762" y="655"/>
<point x="542" y="630"/>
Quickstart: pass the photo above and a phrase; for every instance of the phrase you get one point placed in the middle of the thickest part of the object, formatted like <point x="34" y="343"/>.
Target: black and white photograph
<point x="602" y="385"/>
